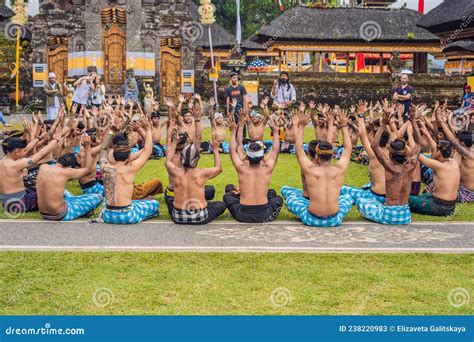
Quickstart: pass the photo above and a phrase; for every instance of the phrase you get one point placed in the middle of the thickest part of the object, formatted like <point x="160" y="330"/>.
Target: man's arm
<point x="298" y="129"/>
<point x="275" y="153"/>
<point x="382" y="158"/>
<point x="213" y="172"/>
<point x="234" y="155"/>
<point x="465" y="152"/>
<point x="343" y="163"/>
<point x="364" y="138"/>
<point x="147" y="149"/>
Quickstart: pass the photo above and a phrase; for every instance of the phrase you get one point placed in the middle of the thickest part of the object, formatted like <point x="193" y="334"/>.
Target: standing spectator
<point x="466" y="101"/>
<point x="404" y="95"/>
<point x="54" y="96"/>
<point x="283" y="92"/>
<point x="235" y="91"/>
<point x="3" y="121"/>
<point x="99" y="93"/>
<point x="84" y="88"/>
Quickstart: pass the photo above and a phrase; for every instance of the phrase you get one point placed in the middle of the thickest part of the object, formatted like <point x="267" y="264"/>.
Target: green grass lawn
<point x="287" y="172"/>
<point x="36" y="283"/>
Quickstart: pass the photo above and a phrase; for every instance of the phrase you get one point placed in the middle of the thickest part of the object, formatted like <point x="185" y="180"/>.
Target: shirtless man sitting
<point x="441" y="199"/>
<point x="376" y="170"/>
<point x="219" y="127"/>
<point x="256" y="122"/>
<point x="325" y="207"/>
<point x="462" y="142"/>
<point x="16" y="199"/>
<point x="190" y="205"/>
<point x="118" y="181"/>
<point x="89" y="183"/>
<point x="399" y="167"/>
<point x="156" y="130"/>
<point x="252" y="201"/>
<point x="53" y="203"/>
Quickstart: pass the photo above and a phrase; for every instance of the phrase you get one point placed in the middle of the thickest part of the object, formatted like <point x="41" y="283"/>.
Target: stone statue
<point x="131" y="87"/>
<point x="148" y="100"/>
<point x="70" y="95"/>
<point x="395" y="64"/>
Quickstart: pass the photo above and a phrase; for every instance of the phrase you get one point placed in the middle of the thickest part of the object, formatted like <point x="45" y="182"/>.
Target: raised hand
<point x="181" y="99"/>
<point x="212" y="102"/>
<point x="86" y="140"/>
<point x="302" y="107"/>
<point x="264" y="103"/>
<point x="234" y="103"/>
<point x="312" y="105"/>
<point x="342" y="118"/>
<point x="387" y="117"/>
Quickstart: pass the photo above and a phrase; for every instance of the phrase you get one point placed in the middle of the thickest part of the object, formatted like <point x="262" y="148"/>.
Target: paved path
<point x="234" y="237"/>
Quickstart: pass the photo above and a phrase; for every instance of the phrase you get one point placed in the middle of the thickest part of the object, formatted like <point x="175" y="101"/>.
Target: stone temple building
<point x="156" y="39"/>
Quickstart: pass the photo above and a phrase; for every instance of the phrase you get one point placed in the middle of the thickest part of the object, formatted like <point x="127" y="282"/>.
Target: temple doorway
<point x="58" y="58"/>
<point x="115" y="57"/>
<point x="170" y="69"/>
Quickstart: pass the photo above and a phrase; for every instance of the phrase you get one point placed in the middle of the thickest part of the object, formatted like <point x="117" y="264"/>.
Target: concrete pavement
<point x="353" y="237"/>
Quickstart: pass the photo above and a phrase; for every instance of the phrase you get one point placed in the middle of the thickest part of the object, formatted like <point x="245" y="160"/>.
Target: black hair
<point x="445" y="147"/>
<point x="190" y="155"/>
<point x="155" y="115"/>
<point x="325" y="146"/>
<point x="121" y="156"/>
<point x="288" y="84"/>
<point x="384" y="139"/>
<point x="120" y="138"/>
<point x="81" y="125"/>
<point x="312" y="148"/>
<point x="465" y="137"/>
<point x="12" y="144"/>
<point x="398" y="146"/>
<point x="48" y="122"/>
<point x="255" y="147"/>
<point x="68" y="160"/>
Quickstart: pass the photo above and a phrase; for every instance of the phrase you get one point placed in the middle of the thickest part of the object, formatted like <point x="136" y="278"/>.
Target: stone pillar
<point x="134" y="25"/>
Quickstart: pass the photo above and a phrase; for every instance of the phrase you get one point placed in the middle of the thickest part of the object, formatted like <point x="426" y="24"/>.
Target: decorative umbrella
<point x="257" y="65"/>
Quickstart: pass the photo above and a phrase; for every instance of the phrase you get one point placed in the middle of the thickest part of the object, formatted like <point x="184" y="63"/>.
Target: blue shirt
<point x="467" y="100"/>
<point x="405" y="91"/>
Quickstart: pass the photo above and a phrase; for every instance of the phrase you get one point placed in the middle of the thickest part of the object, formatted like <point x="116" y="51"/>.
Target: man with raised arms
<point x="190" y="205"/>
<point x="252" y="201"/>
<point x="462" y="142"/>
<point x="56" y="205"/>
<point x="118" y="182"/>
<point x="13" y="167"/>
<point x="376" y="170"/>
<point x="440" y="200"/>
<point x="399" y="166"/>
<point x="325" y="207"/>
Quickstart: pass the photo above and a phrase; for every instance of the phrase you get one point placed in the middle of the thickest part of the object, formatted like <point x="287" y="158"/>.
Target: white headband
<point x="218" y="115"/>
<point x="255" y="113"/>
<point x="51" y="75"/>
<point x="257" y="154"/>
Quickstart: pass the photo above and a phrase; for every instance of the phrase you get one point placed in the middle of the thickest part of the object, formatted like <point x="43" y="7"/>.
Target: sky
<point x="413" y="4"/>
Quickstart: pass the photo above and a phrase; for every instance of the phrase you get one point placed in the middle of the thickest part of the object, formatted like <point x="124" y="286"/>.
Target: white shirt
<point x="283" y="94"/>
<point x="81" y="95"/>
<point x="98" y="96"/>
<point x="56" y="100"/>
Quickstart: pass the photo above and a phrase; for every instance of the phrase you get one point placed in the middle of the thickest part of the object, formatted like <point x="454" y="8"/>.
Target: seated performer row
<point x="105" y="149"/>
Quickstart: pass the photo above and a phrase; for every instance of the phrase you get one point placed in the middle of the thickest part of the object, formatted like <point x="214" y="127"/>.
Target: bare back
<point x="254" y="182"/>
<point x="118" y="183"/>
<point x="11" y="180"/>
<point x="50" y="185"/>
<point x="324" y="187"/>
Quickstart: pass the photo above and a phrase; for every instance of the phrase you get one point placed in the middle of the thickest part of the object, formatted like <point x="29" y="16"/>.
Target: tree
<point x="254" y="14"/>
